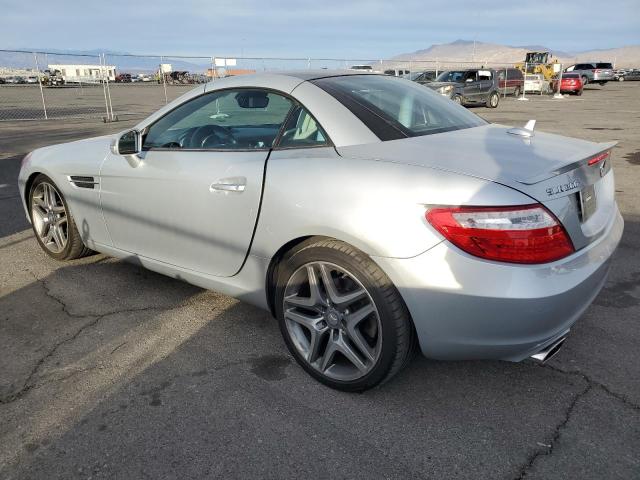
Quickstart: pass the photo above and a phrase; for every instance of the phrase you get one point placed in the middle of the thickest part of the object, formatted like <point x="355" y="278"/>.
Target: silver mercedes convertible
<point x="367" y="213"/>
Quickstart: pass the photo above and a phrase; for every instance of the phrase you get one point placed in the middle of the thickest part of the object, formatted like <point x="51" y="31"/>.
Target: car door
<point x="191" y="198"/>
<point x="471" y="88"/>
<point x="485" y="84"/>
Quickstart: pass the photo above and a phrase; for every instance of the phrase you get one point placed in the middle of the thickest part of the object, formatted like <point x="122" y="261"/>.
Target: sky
<point x="364" y="29"/>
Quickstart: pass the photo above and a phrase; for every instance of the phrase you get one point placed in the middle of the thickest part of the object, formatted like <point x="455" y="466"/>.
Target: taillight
<point x="596" y="70"/>
<point x="598" y="158"/>
<point x="520" y="234"/>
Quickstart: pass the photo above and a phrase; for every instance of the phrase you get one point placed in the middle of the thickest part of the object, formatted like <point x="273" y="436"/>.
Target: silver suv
<point x="593" y="72"/>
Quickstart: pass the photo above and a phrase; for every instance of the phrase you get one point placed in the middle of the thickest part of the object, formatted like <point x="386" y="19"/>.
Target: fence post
<point x="213" y="69"/>
<point x="104" y="89"/>
<point x="44" y="105"/>
<point x="104" y="60"/>
<point x="524" y="84"/>
<point x="558" y="93"/>
<point x="164" y="80"/>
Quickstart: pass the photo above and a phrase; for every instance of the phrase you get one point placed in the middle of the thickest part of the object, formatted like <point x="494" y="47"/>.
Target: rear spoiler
<point x="599" y="149"/>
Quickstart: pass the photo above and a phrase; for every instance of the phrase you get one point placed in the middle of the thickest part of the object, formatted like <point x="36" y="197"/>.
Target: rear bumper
<point x="467" y="308"/>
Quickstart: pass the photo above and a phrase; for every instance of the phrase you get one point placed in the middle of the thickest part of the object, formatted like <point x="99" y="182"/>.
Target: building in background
<point x="85" y="73"/>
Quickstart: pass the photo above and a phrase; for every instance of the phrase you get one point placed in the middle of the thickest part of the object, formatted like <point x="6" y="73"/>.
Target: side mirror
<point x="130" y="143"/>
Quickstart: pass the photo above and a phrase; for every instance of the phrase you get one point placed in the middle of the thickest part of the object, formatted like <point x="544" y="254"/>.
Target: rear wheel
<point x="517" y="92"/>
<point x="341" y="317"/>
<point x="458" y="99"/>
<point x="493" y="100"/>
<point x="579" y="92"/>
<point x="52" y="222"/>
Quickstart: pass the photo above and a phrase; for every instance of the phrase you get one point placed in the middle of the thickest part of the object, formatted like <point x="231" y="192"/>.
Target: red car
<point x="571" y="83"/>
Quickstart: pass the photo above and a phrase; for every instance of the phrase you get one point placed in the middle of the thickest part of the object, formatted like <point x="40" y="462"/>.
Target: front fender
<point x="60" y="162"/>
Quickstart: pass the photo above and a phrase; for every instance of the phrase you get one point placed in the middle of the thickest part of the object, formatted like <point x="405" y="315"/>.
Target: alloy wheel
<point x="49" y="217"/>
<point x="332" y="321"/>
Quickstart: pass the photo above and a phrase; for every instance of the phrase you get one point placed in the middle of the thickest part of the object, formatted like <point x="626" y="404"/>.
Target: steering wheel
<point x="211" y="136"/>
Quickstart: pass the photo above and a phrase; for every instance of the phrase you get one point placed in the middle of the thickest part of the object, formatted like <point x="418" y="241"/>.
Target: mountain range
<point x="455" y="52"/>
<point x="491" y="53"/>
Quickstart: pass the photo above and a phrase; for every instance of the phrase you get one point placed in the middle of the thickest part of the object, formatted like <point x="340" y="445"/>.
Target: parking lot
<point x="112" y="371"/>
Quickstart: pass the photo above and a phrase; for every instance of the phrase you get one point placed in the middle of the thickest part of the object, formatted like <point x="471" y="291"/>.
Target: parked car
<point x="630" y="75"/>
<point x="473" y="86"/>
<point x="14" y="80"/>
<point x="534" y="82"/>
<point x="31" y="79"/>
<point x="354" y="279"/>
<point x="570" y="83"/>
<point x="397" y="72"/>
<point x="593" y="72"/>
<point x="422" y="78"/>
<point x="510" y="81"/>
<point x="362" y="68"/>
<point x="123" y="78"/>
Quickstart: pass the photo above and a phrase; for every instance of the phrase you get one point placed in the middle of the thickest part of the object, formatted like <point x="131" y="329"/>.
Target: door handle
<point x="231" y="184"/>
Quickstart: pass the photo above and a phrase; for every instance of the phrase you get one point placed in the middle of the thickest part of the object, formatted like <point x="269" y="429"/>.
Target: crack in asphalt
<point x="28" y="384"/>
<point x="590" y="385"/>
<point x="524" y="470"/>
<point x="618" y="396"/>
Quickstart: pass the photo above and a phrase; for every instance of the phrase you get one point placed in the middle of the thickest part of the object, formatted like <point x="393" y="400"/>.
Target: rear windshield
<point x="394" y="108"/>
<point x="570" y="75"/>
<point x="604" y="65"/>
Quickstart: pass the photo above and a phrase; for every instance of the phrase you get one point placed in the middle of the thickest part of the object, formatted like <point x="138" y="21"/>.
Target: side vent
<point x="83" y="182"/>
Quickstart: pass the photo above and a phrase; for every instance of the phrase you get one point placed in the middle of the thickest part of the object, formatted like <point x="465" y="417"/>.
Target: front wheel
<point x="621" y="79"/>
<point x="52" y="222"/>
<point x="341" y="317"/>
<point x="493" y="100"/>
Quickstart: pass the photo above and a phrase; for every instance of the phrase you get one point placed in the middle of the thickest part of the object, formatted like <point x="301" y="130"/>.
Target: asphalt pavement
<point x="112" y="371"/>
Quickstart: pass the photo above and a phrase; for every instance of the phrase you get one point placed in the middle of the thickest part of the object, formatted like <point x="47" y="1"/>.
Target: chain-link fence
<point x="43" y="85"/>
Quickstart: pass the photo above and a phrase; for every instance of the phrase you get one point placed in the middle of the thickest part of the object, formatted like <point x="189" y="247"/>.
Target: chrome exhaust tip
<point x="549" y="351"/>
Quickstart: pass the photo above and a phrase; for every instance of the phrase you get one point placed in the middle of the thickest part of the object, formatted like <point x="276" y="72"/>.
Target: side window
<point x="239" y="119"/>
<point x="301" y="130"/>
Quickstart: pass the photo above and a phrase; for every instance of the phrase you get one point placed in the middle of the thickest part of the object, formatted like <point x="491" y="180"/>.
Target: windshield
<point x="451" y="76"/>
<point x="407" y="107"/>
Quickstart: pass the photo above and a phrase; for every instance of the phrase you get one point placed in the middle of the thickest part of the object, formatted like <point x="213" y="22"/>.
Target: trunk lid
<point x="551" y="169"/>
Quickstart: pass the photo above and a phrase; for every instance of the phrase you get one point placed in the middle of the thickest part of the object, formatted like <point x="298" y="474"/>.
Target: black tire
<point x="398" y="336"/>
<point x="74" y="247"/>
<point x="517" y="92"/>
<point x="579" y="92"/>
<point x="493" y="100"/>
<point x="458" y="99"/>
<point x="585" y="80"/>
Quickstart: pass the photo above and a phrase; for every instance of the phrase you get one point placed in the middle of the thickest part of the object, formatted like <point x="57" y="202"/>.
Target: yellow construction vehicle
<point x="539" y="62"/>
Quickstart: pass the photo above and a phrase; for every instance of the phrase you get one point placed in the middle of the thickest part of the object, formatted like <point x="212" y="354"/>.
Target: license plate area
<point x="588" y="203"/>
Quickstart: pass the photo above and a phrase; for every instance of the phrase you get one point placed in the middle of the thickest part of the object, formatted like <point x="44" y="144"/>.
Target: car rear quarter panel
<point x="377" y="206"/>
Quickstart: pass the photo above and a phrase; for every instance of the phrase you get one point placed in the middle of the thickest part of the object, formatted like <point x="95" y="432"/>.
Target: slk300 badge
<point x="565" y="187"/>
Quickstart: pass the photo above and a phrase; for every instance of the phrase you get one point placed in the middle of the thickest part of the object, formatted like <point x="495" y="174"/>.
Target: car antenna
<point x="526" y="131"/>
